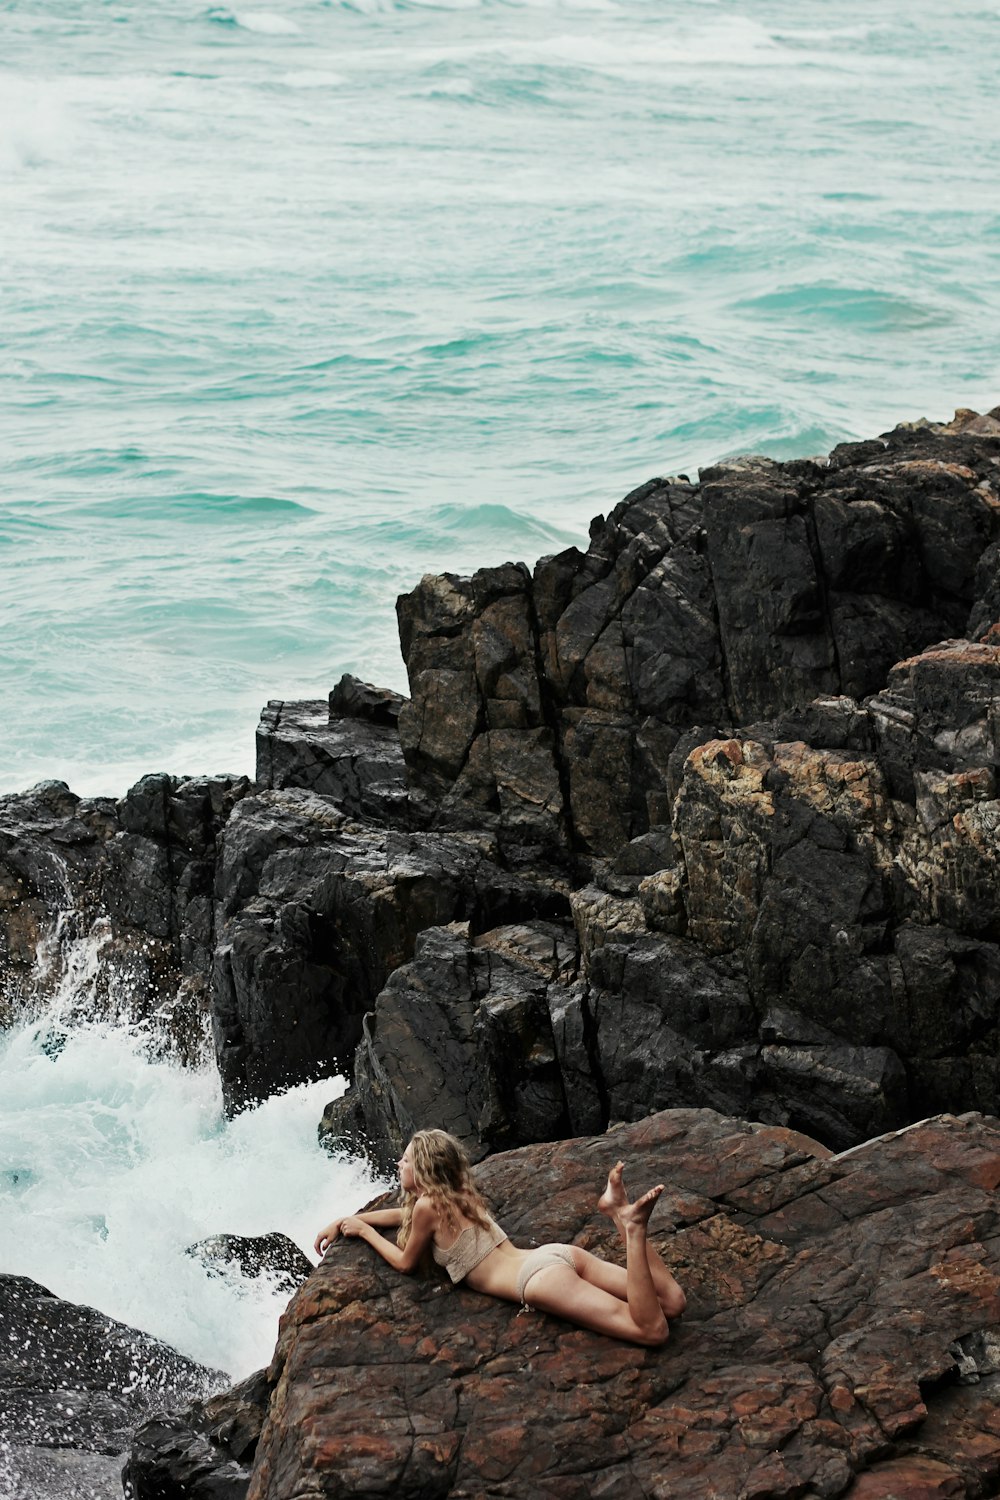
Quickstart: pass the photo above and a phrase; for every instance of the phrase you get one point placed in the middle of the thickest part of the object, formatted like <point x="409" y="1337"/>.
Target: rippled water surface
<point x="299" y="302"/>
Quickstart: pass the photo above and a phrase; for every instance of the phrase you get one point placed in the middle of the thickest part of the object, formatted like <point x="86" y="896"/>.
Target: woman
<point x="442" y="1211"/>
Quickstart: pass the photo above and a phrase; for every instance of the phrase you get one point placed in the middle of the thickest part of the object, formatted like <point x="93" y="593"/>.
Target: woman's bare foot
<point x="614" y="1198"/>
<point x="636" y="1215"/>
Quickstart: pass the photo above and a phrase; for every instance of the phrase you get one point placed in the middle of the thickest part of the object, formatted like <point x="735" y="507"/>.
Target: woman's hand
<point x="326" y="1236"/>
<point x="352" y="1227"/>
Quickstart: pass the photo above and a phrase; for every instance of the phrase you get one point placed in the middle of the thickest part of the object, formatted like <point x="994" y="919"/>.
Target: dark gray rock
<point x="274" y="1254"/>
<point x="354" y="699"/>
<point x="315" y="912"/>
<point x="353" y="757"/>
<point x="203" y="1452"/>
<point x="547" y="706"/>
<point x="74" y="1385"/>
<point x="134" y="878"/>
<point x="463" y="1036"/>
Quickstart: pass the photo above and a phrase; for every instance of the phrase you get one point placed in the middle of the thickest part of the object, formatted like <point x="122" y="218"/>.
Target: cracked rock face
<point x="754" y="701"/>
<point x="547" y="704"/>
<point x="132" y="880"/>
<point x="840" y="1336"/>
<point x="316" y="911"/>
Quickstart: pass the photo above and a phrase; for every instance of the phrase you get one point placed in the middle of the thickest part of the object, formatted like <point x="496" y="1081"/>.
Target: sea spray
<point x="113" y="1161"/>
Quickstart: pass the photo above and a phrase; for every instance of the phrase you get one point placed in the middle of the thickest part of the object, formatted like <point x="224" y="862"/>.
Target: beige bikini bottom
<point x="540" y="1260"/>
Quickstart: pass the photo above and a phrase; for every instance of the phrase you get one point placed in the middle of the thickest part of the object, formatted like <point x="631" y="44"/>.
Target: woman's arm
<point x="422" y="1227"/>
<point x="385" y="1218"/>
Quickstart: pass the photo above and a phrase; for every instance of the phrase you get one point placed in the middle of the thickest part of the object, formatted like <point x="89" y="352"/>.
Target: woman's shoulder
<point x="426" y="1209"/>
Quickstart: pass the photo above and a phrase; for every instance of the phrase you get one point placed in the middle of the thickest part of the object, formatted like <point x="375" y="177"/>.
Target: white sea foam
<point x="37" y="124"/>
<point x="266" y="22"/>
<point x="735" y="40"/>
<point x="112" y="1163"/>
<point x="313" y="79"/>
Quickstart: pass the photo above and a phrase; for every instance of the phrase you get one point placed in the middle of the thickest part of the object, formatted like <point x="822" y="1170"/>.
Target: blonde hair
<point x="441" y="1172"/>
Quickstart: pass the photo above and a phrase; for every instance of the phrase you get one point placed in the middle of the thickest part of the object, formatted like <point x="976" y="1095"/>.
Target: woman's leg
<point x="640" y="1288"/>
<point x="639" y="1317"/>
<point x="611" y="1202"/>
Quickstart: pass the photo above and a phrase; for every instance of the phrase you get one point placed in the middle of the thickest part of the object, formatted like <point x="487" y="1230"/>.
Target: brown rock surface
<point x="817" y="1356"/>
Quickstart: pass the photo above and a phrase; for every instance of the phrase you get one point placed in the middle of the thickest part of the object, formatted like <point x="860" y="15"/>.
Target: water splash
<point x="113" y="1161"/>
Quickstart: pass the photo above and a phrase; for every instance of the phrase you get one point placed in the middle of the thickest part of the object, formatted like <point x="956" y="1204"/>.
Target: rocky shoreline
<point x="703" y="820"/>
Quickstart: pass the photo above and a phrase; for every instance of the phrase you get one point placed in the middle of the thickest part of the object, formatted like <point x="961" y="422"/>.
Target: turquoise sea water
<point x="301" y="300"/>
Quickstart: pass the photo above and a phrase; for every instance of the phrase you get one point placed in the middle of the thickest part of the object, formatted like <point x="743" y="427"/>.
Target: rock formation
<point x="705" y="815"/>
<point x="73" y="1386"/>
<point x="133" y="880"/>
<point x="273" y="1255"/>
<point x="793" y="917"/>
<point x="549" y="705"/>
<point x="842" y="1338"/>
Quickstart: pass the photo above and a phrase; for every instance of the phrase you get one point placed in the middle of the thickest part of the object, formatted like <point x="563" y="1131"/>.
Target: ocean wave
<point x="117" y="1155"/>
<point x="859" y="307"/>
<point x="264" y="22"/>
<point x="480" y="526"/>
<point x="732" y="40"/>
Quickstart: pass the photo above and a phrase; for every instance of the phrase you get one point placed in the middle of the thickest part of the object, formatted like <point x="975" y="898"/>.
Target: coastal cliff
<point x="699" y="824"/>
<point x="704" y="816"/>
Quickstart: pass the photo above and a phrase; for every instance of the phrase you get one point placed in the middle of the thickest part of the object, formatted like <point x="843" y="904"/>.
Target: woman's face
<point x="407" y="1181"/>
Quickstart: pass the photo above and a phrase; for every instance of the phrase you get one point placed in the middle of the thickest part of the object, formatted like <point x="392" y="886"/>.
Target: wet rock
<point x="354" y="699"/>
<point x="315" y="913"/>
<point x="348" y="750"/>
<point x="128" y="883"/>
<point x="51" y="843"/>
<point x="273" y="1254"/>
<point x="204" y="1452"/>
<point x="343" y="1131"/>
<point x="160" y="872"/>
<point x="74" y="1385"/>
<point x="463" y="1036"/>
<point x="825" y="1294"/>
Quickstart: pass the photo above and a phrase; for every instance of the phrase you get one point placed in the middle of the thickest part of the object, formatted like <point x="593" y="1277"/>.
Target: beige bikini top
<point x="473" y="1245"/>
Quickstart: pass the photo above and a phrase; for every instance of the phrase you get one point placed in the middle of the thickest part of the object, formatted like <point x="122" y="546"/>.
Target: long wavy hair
<point x="441" y="1173"/>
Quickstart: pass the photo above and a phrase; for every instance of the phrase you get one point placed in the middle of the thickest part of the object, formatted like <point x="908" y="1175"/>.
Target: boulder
<point x="346" y="748"/>
<point x="204" y="1451"/>
<point x="273" y="1255"/>
<point x="840" y="1336"/>
<point x="463" y="1037"/>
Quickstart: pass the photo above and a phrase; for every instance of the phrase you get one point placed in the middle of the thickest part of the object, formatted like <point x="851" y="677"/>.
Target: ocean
<point x="301" y="301"/>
